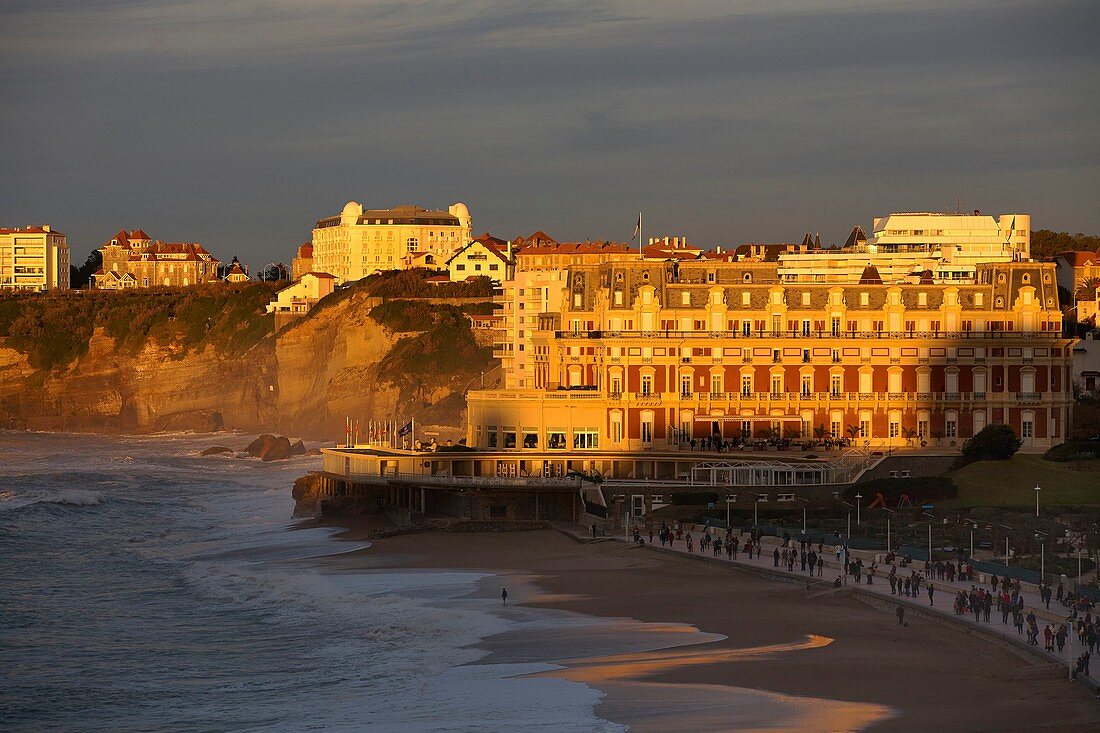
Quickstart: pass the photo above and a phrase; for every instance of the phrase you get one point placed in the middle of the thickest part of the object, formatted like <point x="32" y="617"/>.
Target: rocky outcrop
<point x="307" y="496"/>
<point x="215" y="450"/>
<point x="306" y="379"/>
<point x="269" y="447"/>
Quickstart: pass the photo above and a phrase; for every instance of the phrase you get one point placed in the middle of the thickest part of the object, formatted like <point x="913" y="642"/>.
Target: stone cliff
<point x="356" y="355"/>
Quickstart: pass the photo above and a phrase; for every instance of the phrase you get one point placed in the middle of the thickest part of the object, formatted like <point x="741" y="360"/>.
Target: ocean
<point x="144" y="588"/>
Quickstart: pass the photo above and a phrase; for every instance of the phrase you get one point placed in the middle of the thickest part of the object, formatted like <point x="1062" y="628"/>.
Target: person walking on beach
<point x="1048" y="638"/>
<point x="901" y="614"/>
<point x="820" y="565"/>
<point x="994" y="580"/>
<point x="775" y="557"/>
<point x="1060" y="637"/>
<point x="931" y="590"/>
<point x="504" y="596"/>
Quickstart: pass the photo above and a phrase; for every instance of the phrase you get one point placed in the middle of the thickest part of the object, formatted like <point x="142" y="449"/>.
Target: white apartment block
<point x="359" y="242"/>
<point x="905" y="246"/>
<point x="33" y="259"/>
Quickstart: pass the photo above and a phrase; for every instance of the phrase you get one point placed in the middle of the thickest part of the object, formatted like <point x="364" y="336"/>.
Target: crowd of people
<point x="1003" y="594"/>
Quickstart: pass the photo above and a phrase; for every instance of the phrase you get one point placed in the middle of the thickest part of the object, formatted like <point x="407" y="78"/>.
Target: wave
<point x="66" y="497"/>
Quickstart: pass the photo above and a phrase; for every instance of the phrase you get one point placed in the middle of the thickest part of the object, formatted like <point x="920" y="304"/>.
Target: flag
<point x="405" y="429"/>
<point x="637" y="228"/>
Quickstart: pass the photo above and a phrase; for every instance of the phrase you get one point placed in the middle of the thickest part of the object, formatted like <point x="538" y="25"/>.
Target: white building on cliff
<point x="359" y="242"/>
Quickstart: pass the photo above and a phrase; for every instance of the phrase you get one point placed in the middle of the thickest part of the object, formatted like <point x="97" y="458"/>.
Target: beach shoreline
<point x="753" y="664"/>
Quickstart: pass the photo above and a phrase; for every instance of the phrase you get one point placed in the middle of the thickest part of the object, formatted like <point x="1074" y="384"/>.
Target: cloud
<point x="239" y="122"/>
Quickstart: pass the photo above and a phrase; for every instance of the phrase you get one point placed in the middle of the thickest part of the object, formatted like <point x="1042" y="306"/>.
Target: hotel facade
<point x="612" y="351"/>
<point x="33" y="259"/>
<point x="359" y="242"/>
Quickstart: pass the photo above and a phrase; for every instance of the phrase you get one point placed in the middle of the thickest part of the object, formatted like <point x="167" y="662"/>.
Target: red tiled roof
<point x="1078" y="259"/>
<point x="27" y="230"/>
<point x="305" y="251"/>
<point x="576" y="248"/>
<point x="489" y="240"/>
<point x="322" y="275"/>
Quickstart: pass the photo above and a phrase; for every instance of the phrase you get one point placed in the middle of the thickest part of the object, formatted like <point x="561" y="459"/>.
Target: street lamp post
<point x="971" y="543"/>
<point x="858" y="497"/>
<point x="1006" y="550"/>
<point x="849" y="535"/>
<point x="929" y="541"/>
<point x="1037" y="490"/>
<point x="803" y="521"/>
<point x="1042" y="560"/>
<point x="727" y="511"/>
<point x="888" y="533"/>
<point x="756" y="512"/>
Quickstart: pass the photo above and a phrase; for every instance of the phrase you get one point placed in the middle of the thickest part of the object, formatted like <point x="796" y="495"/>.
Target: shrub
<point x="1074" y="450"/>
<point x="922" y="489"/>
<point x="992" y="443"/>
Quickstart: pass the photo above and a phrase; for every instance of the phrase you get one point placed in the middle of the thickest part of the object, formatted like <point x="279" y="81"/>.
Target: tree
<point x="1086" y="289"/>
<point x="992" y="443"/>
<point x="909" y="434"/>
<point x="853" y="431"/>
<point x="81" y="277"/>
<point x="820" y="432"/>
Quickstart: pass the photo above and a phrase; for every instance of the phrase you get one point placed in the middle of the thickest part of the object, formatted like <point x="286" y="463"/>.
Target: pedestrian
<point x="820" y="565"/>
<point x="901" y="614"/>
<point x="1060" y="637"/>
<point x="994" y="580"/>
<point x="775" y="557"/>
<point x="931" y="590"/>
<point x="1048" y="638"/>
<point x="504" y="596"/>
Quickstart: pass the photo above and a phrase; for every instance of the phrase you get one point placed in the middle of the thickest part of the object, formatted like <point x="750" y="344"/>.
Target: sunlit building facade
<point x="33" y="259"/>
<point x="630" y="354"/>
<point x="359" y="242"/>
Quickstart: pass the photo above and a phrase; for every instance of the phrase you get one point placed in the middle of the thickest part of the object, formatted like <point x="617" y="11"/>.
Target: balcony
<point x="1026" y="398"/>
<point x="978" y="395"/>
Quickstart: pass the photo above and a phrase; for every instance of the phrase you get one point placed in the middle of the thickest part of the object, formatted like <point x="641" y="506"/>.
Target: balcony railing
<point x="798" y="334"/>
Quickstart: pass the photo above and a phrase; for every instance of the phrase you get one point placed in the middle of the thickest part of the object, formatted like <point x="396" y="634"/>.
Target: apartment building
<point x="359" y="242"/>
<point x="33" y="259"/>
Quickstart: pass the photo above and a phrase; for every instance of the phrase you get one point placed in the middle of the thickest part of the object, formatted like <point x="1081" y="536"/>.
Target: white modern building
<point x="33" y="258"/>
<point x="906" y="246"/>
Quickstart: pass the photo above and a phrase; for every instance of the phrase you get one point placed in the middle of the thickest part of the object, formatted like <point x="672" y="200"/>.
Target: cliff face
<point x="305" y="380"/>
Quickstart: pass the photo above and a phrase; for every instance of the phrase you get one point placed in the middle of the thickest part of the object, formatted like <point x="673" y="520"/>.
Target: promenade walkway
<point x="943" y="597"/>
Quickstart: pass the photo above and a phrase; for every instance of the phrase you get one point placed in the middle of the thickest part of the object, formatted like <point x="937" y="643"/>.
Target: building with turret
<point x="135" y="260"/>
<point x="359" y="242"/>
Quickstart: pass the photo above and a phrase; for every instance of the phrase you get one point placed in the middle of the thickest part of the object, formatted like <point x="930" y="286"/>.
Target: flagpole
<point x="640" y="236"/>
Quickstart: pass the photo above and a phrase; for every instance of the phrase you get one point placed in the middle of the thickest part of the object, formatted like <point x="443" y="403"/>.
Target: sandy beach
<point x="696" y="646"/>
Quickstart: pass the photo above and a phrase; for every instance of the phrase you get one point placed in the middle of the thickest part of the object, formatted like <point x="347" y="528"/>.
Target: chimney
<point x="666" y="241"/>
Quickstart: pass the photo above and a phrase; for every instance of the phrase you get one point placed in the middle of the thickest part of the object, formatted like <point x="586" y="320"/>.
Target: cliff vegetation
<point x="387" y="347"/>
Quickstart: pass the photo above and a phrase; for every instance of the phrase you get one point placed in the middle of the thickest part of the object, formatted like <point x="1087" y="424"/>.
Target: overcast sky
<point x="238" y="123"/>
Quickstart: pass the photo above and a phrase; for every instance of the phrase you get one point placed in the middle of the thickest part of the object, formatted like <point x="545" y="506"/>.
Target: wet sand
<point x="788" y="661"/>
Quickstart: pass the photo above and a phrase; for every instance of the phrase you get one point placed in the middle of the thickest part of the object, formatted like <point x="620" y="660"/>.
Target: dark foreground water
<point x="143" y="588"/>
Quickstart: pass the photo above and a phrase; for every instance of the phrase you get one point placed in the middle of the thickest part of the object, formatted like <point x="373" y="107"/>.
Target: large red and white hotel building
<point x="932" y="328"/>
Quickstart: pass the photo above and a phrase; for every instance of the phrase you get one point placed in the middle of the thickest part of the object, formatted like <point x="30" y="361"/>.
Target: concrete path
<point x="944" y="595"/>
